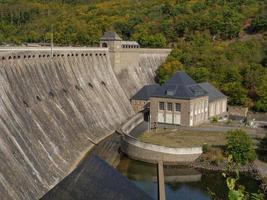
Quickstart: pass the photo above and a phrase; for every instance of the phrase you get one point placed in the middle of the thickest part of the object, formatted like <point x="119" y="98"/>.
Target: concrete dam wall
<point x="136" y="67"/>
<point x="52" y="111"/>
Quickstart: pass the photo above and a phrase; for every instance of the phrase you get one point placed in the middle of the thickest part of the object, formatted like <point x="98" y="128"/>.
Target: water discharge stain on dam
<point x="52" y="110"/>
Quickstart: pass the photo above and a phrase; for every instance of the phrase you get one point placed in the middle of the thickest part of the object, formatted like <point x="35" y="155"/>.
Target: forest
<point x="221" y="41"/>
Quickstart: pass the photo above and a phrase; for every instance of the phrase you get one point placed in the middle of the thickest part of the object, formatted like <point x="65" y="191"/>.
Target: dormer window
<point x="170" y="92"/>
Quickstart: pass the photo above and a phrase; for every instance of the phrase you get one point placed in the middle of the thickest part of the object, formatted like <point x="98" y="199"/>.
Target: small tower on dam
<point x="125" y="55"/>
<point x="114" y="42"/>
<point x="110" y="40"/>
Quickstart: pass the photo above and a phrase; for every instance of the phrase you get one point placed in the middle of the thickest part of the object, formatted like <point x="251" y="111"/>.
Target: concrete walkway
<point x="254" y="133"/>
<point x="161" y="182"/>
<point x="138" y="130"/>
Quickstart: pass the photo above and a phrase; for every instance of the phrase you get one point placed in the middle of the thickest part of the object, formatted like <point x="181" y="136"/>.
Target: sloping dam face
<point x="51" y="112"/>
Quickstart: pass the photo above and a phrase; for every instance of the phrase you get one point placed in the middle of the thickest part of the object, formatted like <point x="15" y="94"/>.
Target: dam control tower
<point x="128" y="55"/>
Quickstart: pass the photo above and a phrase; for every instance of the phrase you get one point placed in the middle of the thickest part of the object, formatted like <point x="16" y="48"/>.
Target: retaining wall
<point x="133" y="122"/>
<point x="153" y="153"/>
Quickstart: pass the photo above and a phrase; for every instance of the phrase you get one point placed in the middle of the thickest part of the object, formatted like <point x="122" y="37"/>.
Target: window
<point x="104" y="44"/>
<point x="178" y="107"/>
<point x="169" y="106"/>
<point x="161" y="106"/>
<point x="206" y="106"/>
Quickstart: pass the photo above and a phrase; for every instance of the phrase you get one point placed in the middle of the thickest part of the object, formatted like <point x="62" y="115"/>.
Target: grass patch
<point x="183" y="138"/>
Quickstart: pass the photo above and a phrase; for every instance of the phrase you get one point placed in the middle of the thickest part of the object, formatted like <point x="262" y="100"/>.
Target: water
<point x="181" y="182"/>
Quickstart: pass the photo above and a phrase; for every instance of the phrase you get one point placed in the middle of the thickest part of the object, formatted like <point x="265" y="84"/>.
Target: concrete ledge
<point x="153" y="153"/>
<point x="128" y="126"/>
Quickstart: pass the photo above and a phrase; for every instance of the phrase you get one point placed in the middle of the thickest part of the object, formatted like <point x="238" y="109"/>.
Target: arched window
<point x="104" y="44"/>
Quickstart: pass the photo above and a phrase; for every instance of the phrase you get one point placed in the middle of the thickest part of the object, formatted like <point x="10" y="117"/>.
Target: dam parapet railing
<point x="153" y="153"/>
<point x="17" y="53"/>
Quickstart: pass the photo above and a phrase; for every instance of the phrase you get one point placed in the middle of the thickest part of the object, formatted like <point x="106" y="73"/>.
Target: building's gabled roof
<point x="111" y="36"/>
<point x="180" y="78"/>
<point x="95" y="179"/>
<point x="180" y="86"/>
<point x="179" y="91"/>
<point x="213" y="93"/>
<point x="145" y="93"/>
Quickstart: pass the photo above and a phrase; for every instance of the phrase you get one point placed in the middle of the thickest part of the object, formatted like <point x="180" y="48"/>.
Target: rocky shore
<point x="257" y="169"/>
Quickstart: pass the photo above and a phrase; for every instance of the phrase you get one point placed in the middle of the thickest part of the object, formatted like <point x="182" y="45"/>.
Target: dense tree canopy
<point x="223" y="42"/>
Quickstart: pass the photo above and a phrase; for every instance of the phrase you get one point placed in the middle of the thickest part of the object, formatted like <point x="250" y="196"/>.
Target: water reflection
<point x="180" y="182"/>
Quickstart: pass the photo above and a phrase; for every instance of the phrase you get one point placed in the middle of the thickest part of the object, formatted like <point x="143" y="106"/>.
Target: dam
<point x="57" y="104"/>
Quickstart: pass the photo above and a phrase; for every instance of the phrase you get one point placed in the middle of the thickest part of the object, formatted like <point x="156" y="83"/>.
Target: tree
<point x="261" y="103"/>
<point x="259" y="23"/>
<point x="166" y="70"/>
<point x="154" y="41"/>
<point x="237" y="94"/>
<point x="240" y="146"/>
<point x="199" y="74"/>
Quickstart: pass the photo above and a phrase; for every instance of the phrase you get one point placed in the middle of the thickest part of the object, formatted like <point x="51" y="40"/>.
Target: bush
<point x="214" y="120"/>
<point x="229" y="122"/>
<point x="240" y="146"/>
<point x="205" y="148"/>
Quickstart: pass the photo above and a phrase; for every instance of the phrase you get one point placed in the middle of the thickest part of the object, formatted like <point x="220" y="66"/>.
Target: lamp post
<point x="52" y="41"/>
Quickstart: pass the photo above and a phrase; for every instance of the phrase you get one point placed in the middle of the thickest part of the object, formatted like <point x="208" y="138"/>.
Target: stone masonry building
<point x="141" y="100"/>
<point x="182" y="101"/>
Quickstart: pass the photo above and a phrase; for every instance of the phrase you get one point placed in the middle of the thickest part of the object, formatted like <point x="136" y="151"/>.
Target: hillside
<point x="213" y="40"/>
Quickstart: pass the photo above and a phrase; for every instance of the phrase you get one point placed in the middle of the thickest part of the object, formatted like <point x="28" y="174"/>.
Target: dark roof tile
<point x="180" y="78"/>
<point x="111" y="36"/>
<point x="213" y="93"/>
<point x="145" y="92"/>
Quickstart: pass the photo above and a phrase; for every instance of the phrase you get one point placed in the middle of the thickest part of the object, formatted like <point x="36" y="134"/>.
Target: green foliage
<point x="214" y="120"/>
<point x="235" y="190"/>
<point x="259" y="23"/>
<point x="199" y="74"/>
<point x="154" y="41"/>
<point x="72" y="20"/>
<point x="165" y="71"/>
<point x="240" y="146"/>
<point x="234" y="68"/>
<point x="237" y="94"/>
<point x="205" y="148"/>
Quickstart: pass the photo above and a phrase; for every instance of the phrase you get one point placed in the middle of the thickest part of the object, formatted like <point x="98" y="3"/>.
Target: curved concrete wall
<point x="128" y="126"/>
<point x="52" y="111"/>
<point x="138" y="69"/>
<point x="154" y="153"/>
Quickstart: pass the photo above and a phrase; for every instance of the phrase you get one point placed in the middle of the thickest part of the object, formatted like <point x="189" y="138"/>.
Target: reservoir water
<point x="181" y="183"/>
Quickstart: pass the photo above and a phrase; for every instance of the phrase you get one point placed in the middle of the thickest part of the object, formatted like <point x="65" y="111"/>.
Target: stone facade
<point x="237" y="112"/>
<point x="123" y="55"/>
<point x="192" y="112"/>
<point x="139" y="105"/>
<point x="218" y="108"/>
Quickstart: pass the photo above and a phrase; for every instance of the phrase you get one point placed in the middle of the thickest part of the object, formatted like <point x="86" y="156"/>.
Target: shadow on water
<point x="181" y="182"/>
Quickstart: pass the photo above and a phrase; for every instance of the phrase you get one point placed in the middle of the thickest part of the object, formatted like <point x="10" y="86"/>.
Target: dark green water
<point x="181" y="183"/>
